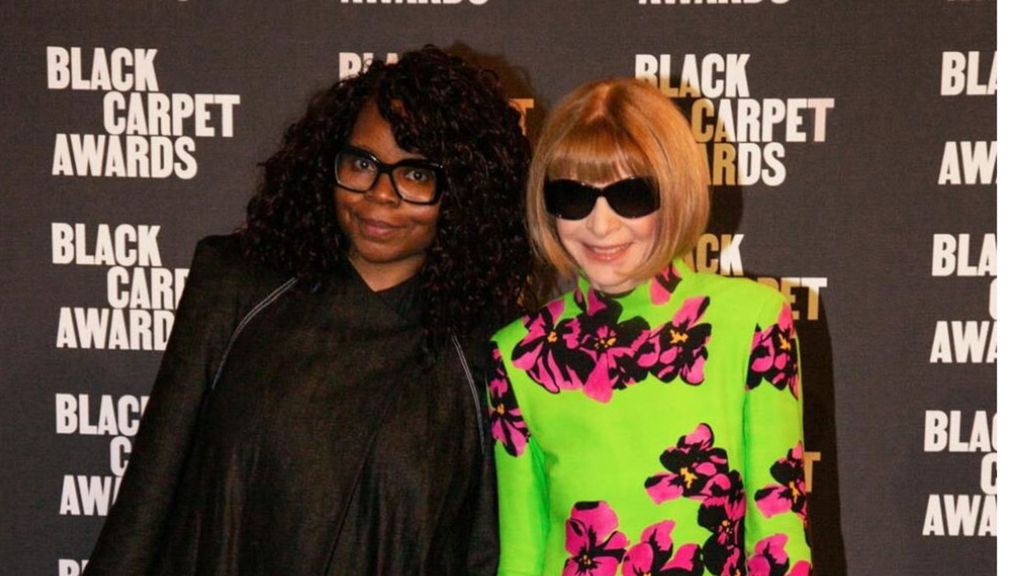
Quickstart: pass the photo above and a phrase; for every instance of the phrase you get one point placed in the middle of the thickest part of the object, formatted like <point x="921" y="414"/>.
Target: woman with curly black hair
<point x="315" y="411"/>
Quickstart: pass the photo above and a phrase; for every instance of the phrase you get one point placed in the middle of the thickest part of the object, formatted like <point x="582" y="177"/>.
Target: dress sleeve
<point x="205" y="317"/>
<point x="523" y="522"/>
<point x="776" y="499"/>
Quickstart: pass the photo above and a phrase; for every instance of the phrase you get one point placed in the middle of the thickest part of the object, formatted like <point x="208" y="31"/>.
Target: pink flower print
<point x="664" y="283"/>
<point x="592" y="350"/>
<point x="773" y="355"/>
<point x="723" y="516"/>
<point x="653" y="555"/>
<point x="613" y="349"/>
<point x="692" y="464"/>
<point x="790" y="494"/>
<point x="610" y="344"/>
<point x="507" y="425"/>
<point x="595" y="546"/>
<point x="592" y="302"/>
<point x="549" y="353"/>
<point x="734" y="564"/>
<point x="770" y="559"/>
<point x="679" y="349"/>
<point x="802" y="568"/>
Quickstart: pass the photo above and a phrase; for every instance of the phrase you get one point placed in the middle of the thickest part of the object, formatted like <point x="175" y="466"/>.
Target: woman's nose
<point x="383" y="191"/>
<point x="602" y="220"/>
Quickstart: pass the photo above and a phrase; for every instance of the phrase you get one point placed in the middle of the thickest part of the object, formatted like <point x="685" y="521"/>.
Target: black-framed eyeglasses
<point x="574" y="200"/>
<point x="415" y="180"/>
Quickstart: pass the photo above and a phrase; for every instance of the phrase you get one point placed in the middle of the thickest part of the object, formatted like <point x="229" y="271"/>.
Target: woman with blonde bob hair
<point x="604" y="128"/>
<point x="649" y="421"/>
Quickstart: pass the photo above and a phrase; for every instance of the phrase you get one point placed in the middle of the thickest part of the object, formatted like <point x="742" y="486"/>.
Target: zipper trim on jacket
<point x="472" y="389"/>
<point x="267" y="301"/>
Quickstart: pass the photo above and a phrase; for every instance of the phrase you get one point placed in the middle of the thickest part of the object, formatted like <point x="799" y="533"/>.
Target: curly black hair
<point x="477" y="272"/>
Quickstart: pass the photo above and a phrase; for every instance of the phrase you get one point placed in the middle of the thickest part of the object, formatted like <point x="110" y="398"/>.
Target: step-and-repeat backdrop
<point x="853" y="152"/>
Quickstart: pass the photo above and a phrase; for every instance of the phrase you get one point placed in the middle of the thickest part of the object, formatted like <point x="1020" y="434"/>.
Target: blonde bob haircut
<point x="603" y="130"/>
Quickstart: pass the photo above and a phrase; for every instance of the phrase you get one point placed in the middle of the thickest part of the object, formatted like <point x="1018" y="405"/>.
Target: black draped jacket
<point x="297" y="430"/>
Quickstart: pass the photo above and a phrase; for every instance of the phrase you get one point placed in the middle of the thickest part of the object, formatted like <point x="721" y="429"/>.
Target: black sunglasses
<point x="573" y="200"/>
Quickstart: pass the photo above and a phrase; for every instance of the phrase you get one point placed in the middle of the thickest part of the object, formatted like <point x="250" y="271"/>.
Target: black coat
<point x="303" y="430"/>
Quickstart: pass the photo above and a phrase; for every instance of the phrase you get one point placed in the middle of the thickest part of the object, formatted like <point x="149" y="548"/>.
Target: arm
<point x="522" y="489"/>
<point x="776" y="519"/>
<point x="203" y="323"/>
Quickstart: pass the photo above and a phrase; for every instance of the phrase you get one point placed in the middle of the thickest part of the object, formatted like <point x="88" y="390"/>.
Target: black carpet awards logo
<point x="965" y="341"/>
<point x="967" y="162"/>
<point x="141" y="294"/>
<point x="146" y="133"/>
<point x="97" y="415"/>
<point x="746" y="136"/>
<point x="963" y="514"/>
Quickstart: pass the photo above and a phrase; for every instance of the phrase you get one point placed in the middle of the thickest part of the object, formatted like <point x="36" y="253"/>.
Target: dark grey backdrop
<point x="856" y="215"/>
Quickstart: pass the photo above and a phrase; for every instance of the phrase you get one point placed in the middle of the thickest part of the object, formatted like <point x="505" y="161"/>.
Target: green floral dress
<point x="655" y="432"/>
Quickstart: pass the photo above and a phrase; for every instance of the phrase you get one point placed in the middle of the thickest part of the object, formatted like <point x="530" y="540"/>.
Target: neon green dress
<point x="655" y="432"/>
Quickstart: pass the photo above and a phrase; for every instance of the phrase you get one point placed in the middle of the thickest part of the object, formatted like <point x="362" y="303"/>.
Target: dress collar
<point x="657" y="290"/>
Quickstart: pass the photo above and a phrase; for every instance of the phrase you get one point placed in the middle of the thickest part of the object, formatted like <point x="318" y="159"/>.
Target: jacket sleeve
<point x="776" y="500"/>
<point x="482" y="553"/>
<point x="523" y="519"/>
<point x="205" y="318"/>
